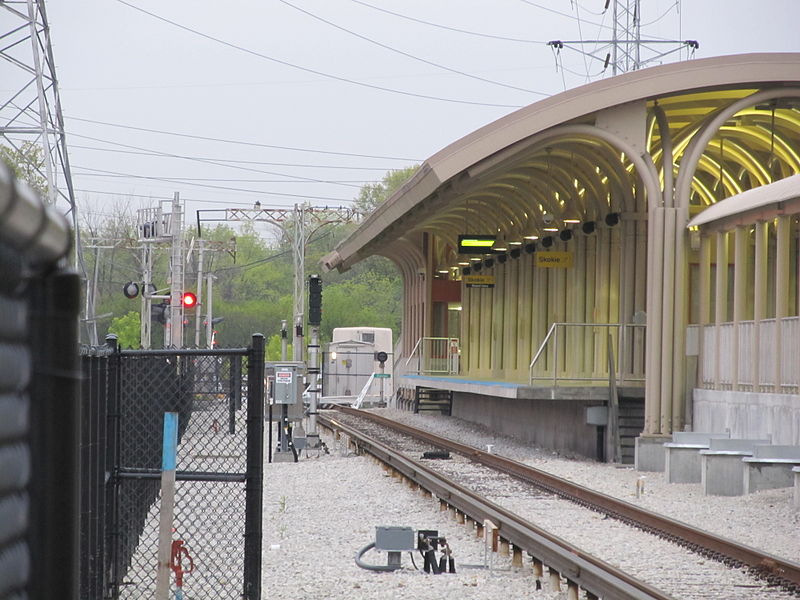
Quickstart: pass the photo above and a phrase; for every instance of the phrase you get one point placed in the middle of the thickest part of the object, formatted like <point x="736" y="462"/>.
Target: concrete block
<point x="722" y="474"/>
<point x="682" y="464"/>
<point x="722" y="468"/>
<point x="796" y="495"/>
<point x="766" y="476"/>
<point x="649" y="452"/>
<point x="697" y="438"/>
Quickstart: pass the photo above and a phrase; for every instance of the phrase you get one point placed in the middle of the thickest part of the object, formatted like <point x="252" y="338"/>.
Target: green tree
<point x="373" y="195"/>
<point x="26" y="162"/>
<point x="127" y="329"/>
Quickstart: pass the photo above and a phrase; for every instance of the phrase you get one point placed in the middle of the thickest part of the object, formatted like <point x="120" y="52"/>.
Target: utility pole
<point x="31" y="119"/>
<point x="624" y="51"/>
<point x="174" y="336"/>
<point x="298" y="224"/>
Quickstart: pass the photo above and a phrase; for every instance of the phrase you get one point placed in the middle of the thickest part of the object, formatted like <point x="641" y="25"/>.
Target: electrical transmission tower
<point x="31" y="121"/>
<point x="626" y="50"/>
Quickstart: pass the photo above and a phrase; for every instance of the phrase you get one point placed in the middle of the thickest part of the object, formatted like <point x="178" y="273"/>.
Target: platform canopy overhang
<point x="581" y="155"/>
<point x="758" y="204"/>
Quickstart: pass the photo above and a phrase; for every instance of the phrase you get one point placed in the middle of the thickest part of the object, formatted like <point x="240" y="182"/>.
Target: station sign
<point x="479" y="281"/>
<point x="554" y="260"/>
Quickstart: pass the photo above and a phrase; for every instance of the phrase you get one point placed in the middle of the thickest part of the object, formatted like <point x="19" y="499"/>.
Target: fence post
<point x="55" y="436"/>
<point x="255" y="469"/>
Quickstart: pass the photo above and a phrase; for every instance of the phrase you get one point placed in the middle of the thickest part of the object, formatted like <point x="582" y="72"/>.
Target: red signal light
<point x="189" y="300"/>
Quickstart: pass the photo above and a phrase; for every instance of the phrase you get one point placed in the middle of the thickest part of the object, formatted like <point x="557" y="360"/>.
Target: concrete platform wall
<point x="557" y="424"/>
<point x="748" y="415"/>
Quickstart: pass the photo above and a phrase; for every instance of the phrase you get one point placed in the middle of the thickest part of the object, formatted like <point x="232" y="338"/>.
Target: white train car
<point x="352" y="358"/>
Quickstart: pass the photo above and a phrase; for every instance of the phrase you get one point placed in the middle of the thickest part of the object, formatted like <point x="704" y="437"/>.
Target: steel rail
<point x="774" y="569"/>
<point x="590" y="573"/>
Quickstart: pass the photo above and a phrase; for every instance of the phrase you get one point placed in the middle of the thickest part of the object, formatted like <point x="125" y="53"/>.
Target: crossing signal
<point x="189" y="300"/>
<point x="314" y="300"/>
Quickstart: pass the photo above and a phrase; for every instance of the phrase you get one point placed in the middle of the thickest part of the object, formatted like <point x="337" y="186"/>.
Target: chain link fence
<point x="217" y="512"/>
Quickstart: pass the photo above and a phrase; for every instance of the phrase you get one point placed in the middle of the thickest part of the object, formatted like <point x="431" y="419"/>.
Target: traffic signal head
<point x="314" y="300"/>
<point x="189" y="300"/>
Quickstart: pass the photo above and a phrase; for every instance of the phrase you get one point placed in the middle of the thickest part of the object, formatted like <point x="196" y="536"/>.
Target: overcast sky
<point x="223" y="70"/>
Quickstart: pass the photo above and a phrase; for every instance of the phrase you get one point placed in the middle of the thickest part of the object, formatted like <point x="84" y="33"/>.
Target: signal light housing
<point x="189" y="300"/>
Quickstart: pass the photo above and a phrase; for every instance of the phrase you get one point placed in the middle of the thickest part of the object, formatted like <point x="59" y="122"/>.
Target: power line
<point x="152" y="197"/>
<point x="406" y="54"/>
<point x="239" y="142"/>
<point x="309" y="70"/>
<point x="448" y="28"/>
<point x="226" y="180"/>
<point x="216" y="187"/>
<point x="146" y="152"/>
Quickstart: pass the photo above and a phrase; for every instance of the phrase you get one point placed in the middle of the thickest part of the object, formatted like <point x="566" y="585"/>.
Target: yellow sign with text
<point x="479" y="281"/>
<point x="554" y="260"/>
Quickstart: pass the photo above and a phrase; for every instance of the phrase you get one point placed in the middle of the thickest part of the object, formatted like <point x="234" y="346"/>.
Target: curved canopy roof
<point x="576" y="156"/>
<point x="765" y="202"/>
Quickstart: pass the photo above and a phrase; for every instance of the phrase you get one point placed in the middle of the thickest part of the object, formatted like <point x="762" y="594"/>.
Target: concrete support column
<point x="680" y="394"/>
<point x="511" y="296"/>
<point x="498" y="306"/>
<point x="486" y="296"/>
<point x="704" y="316"/>
<point x="591" y="268"/>
<point x="525" y="300"/>
<point x="655" y="260"/>
<point x="760" y="268"/>
<point x="576" y="296"/>
<point x="463" y="332"/>
<point x="640" y="294"/>
<point x="539" y="324"/>
<point x="602" y="295"/>
<point x="720" y="300"/>
<point x="739" y="296"/>
<point x="782" y="278"/>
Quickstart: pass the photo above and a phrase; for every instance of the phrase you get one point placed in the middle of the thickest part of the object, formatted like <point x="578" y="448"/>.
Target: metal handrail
<point x="422" y="362"/>
<point x="553" y="334"/>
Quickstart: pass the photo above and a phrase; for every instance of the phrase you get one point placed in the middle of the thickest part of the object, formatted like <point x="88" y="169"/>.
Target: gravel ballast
<point x="320" y="511"/>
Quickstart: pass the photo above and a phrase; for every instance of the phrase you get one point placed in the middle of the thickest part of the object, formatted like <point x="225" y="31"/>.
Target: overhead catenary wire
<point x="217" y="187"/>
<point x="314" y="71"/>
<point x="161" y="154"/>
<point x="449" y="28"/>
<point x="407" y="54"/>
<point x="239" y="142"/>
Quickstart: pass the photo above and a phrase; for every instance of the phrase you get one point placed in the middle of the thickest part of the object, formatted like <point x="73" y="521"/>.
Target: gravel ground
<point x="764" y="520"/>
<point x="320" y="511"/>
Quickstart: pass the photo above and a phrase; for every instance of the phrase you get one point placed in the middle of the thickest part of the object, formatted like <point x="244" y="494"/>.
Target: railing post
<point x="255" y="469"/>
<point x="555" y="355"/>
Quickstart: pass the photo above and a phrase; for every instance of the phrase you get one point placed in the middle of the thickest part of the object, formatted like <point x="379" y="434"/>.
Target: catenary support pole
<point x="169" y="453"/>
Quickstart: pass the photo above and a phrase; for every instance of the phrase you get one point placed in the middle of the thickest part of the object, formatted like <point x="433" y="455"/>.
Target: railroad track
<point x="776" y="571"/>
<point x="581" y="570"/>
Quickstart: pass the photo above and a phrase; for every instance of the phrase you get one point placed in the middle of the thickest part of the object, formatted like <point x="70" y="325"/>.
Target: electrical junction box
<point x="286" y="387"/>
<point x="394" y="539"/>
<point x="597" y="415"/>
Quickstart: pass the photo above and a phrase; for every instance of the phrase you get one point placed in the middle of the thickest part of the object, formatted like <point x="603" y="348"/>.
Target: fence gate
<point x="219" y="398"/>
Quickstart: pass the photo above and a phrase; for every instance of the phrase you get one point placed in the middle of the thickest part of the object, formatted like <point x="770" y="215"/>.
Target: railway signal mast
<point x="626" y="50"/>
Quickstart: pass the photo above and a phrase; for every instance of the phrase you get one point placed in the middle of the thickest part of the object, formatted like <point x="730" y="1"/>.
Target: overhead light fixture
<point x="515" y="253"/>
<point x="572" y="221"/>
<point x="588" y="227"/>
<point x="475" y="259"/>
<point x="476" y="267"/>
<point x="502" y="258"/>
<point x="551" y="229"/>
<point x="612" y="219"/>
<point x="443" y="271"/>
<point x="466" y="271"/>
<point x="565" y="235"/>
<point x="463" y="263"/>
<point x="475" y="244"/>
<point x="488" y="263"/>
<point x="530" y="248"/>
<point x="547" y="241"/>
<point x="515" y="243"/>
<point x="531" y="237"/>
